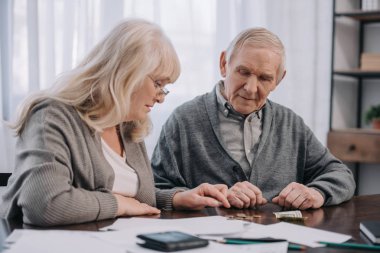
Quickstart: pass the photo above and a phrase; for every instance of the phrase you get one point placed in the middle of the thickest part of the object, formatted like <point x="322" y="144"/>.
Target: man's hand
<point x="202" y="196"/>
<point x="245" y="195"/>
<point x="127" y="206"/>
<point x="299" y="196"/>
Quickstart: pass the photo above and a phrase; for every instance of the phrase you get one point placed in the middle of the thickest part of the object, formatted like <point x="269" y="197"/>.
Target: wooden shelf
<point x="355" y="145"/>
<point x="358" y="73"/>
<point x="366" y="16"/>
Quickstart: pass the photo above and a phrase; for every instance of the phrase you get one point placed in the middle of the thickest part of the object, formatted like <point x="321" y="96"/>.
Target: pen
<point x="253" y="241"/>
<point x="264" y="239"/>
<point x="351" y="245"/>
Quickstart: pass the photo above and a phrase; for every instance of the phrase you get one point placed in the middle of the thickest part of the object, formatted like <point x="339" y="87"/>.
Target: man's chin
<point x="246" y="110"/>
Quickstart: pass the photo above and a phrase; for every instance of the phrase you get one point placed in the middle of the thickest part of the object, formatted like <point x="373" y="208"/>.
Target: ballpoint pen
<point x="260" y="240"/>
<point x="263" y="239"/>
<point x="351" y="245"/>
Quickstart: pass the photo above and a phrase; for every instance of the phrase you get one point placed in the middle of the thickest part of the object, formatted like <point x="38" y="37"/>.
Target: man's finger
<point x="292" y="196"/>
<point x="234" y="201"/>
<point x="251" y="197"/>
<point x="222" y="188"/>
<point x="239" y="193"/>
<point x="284" y="193"/>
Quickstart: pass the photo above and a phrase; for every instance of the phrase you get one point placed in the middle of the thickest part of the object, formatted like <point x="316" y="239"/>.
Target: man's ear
<point x="283" y="75"/>
<point x="222" y="64"/>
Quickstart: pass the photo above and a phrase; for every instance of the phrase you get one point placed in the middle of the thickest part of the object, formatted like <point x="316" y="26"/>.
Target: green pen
<point x="237" y="241"/>
<point x="351" y="245"/>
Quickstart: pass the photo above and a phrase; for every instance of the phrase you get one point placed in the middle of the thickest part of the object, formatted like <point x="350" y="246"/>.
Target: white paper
<point x="281" y="247"/>
<point x="295" y="234"/>
<point x="127" y="239"/>
<point x="58" y="241"/>
<point x="216" y="225"/>
<point x="124" y="240"/>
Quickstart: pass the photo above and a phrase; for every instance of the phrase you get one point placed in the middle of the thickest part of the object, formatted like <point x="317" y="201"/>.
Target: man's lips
<point x="254" y="98"/>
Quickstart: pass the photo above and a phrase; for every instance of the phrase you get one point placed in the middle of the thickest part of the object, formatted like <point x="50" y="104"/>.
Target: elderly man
<point x="236" y="136"/>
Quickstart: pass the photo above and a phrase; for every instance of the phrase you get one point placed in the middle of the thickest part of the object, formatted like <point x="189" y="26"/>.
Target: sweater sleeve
<point x="47" y="198"/>
<point x="326" y="173"/>
<point x="165" y="197"/>
<point x="51" y="189"/>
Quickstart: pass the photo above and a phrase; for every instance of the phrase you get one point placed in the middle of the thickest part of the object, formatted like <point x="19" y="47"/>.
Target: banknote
<point x="289" y="215"/>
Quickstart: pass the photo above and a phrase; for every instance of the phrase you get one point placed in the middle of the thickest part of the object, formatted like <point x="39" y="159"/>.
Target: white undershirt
<point x="126" y="180"/>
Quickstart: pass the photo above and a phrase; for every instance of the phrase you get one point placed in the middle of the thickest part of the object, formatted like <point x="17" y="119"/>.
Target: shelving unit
<point x="351" y="142"/>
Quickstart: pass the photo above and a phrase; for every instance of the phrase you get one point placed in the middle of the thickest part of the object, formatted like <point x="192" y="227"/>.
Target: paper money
<point x="289" y="215"/>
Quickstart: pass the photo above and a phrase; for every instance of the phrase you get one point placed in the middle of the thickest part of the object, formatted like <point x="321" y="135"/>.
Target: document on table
<point x="220" y="227"/>
<point x="294" y="233"/>
<point x="123" y="237"/>
<point x="57" y="241"/>
<point x="210" y="225"/>
<point x="63" y="241"/>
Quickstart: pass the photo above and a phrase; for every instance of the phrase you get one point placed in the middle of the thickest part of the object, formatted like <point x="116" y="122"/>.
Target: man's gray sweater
<point x="190" y="151"/>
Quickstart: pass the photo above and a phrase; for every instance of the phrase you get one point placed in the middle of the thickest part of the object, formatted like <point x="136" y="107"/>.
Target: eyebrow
<point x="269" y="76"/>
<point x="265" y="75"/>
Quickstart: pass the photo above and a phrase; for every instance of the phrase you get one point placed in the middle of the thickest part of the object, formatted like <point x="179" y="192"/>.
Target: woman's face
<point x="152" y="91"/>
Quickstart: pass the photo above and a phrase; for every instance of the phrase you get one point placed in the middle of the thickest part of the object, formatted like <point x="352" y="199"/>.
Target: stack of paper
<point x="121" y="236"/>
<point x="294" y="234"/>
<point x="59" y="241"/>
<point x="211" y="225"/>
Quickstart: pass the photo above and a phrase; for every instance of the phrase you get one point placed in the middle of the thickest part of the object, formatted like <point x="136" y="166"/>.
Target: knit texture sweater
<point x="190" y="151"/>
<point x="61" y="175"/>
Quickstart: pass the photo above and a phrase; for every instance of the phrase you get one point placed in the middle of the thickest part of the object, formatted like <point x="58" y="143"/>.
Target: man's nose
<point x="251" y="84"/>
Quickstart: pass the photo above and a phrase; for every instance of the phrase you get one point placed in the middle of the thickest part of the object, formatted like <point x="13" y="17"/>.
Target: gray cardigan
<point x="61" y="175"/>
<point x="190" y="151"/>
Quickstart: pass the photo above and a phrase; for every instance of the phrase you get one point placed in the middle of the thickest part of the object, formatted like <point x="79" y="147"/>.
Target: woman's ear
<point x="223" y="64"/>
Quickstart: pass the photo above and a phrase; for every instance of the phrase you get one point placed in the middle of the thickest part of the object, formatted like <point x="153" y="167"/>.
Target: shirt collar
<point x="226" y="108"/>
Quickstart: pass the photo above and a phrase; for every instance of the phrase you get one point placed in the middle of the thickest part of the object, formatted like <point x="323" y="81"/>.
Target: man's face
<point x="250" y="76"/>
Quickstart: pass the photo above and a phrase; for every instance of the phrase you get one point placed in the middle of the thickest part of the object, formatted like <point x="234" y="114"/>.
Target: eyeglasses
<point x="162" y="91"/>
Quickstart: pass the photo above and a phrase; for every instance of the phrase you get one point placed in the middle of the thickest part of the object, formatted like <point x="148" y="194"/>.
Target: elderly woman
<point x="80" y="154"/>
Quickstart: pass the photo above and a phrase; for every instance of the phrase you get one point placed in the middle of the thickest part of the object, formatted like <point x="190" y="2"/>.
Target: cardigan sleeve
<point x="49" y="192"/>
<point x="326" y="173"/>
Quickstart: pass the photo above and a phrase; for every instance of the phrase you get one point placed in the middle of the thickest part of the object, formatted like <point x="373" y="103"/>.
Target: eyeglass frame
<point x="157" y="85"/>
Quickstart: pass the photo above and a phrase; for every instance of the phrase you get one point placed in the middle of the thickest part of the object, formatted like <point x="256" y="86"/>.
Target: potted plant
<point x="373" y="115"/>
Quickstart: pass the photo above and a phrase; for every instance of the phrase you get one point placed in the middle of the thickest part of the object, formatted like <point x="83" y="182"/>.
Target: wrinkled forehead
<point x="260" y="55"/>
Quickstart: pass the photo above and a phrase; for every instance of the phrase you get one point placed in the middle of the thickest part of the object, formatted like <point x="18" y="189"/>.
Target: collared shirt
<point x="240" y="133"/>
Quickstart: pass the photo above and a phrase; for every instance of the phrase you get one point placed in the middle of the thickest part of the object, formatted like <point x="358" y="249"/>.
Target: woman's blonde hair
<point x="261" y="38"/>
<point x="101" y="86"/>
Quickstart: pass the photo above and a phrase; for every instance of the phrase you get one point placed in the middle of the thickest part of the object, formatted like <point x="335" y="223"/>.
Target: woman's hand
<point x="202" y="196"/>
<point x="127" y="206"/>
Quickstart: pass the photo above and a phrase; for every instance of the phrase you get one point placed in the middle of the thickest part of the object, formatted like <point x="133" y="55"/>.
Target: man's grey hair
<point x="260" y="38"/>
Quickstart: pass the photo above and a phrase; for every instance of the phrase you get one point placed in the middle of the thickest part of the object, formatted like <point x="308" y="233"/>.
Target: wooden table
<point x="344" y="218"/>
